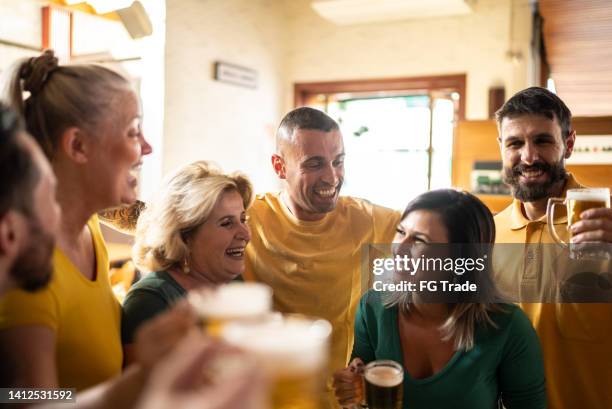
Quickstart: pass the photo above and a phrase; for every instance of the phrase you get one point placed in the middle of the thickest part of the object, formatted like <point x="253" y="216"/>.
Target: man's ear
<point x="12" y="233"/>
<point x="76" y="145"/>
<point x="499" y="141"/>
<point x="278" y="163"/>
<point x="569" y="143"/>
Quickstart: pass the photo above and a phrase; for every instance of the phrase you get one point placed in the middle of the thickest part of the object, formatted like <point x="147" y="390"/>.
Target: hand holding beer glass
<point x="577" y="201"/>
<point x="380" y="384"/>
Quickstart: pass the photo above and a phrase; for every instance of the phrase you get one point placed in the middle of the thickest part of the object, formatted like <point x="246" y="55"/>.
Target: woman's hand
<point x="348" y="384"/>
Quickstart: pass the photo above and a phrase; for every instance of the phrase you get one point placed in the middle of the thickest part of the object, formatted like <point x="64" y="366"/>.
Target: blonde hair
<point x="61" y="96"/>
<point x="184" y="202"/>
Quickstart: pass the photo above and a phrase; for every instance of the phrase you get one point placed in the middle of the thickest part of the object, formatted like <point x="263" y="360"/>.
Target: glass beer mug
<point x="383" y="384"/>
<point x="293" y="352"/>
<point x="233" y="302"/>
<point x="577" y="201"/>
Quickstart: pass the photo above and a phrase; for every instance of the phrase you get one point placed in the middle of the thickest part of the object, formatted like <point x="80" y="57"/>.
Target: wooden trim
<point x="455" y="82"/>
<point x="50" y="15"/>
<point x="544" y="68"/>
<point x="46" y="27"/>
<point x="71" y="34"/>
<point x="497" y="97"/>
<point x="600" y="125"/>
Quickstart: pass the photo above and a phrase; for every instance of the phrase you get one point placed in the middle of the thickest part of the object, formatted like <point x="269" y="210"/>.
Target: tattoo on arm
<point x="122" y="218"/>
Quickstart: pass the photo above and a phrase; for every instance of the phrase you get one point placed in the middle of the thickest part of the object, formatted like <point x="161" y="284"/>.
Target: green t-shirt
<point x="153" y="294"/>
<point x="505" y="363"/>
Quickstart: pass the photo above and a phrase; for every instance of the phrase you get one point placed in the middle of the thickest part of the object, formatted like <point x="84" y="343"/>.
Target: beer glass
<point x="576" y="201"/>
<point x="384" y="384"/>
<point x="245" y="302"/>
<point x="293" y="352"/>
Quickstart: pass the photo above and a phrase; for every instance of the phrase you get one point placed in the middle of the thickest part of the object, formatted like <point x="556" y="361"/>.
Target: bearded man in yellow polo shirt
<point x="536" y="138"/>
<point x="307" y="240"/>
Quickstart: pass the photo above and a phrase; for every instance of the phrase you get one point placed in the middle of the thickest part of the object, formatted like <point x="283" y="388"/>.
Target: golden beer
<point x="297" y="391"/>
<point x="576" y="206"/>
<point x="243" y="302"/>
<point x="384" y="384"/>
<point x="292" y="352"/>
<point x="577" y="201"/>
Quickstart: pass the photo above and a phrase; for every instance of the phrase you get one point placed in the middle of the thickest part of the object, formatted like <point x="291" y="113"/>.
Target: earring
<point x="186" y="268"/>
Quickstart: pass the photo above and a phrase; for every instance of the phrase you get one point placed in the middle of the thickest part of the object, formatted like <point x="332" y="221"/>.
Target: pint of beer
<point x="244" y="302"/>
<point x="384" y="384"/>
<point x="579" y="200"/>
<point x="576" y="201"/>
<point x="292" y="352"/>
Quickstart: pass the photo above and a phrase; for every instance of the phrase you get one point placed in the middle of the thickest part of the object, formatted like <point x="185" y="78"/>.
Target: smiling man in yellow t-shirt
<point x="307" y="240"/>
<point x="535" y="138"/>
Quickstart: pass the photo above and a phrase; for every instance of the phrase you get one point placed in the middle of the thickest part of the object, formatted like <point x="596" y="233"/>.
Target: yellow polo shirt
<point x="576" y="338"/>
<point x="315" y="268"/>
<point x="84" y="315"/>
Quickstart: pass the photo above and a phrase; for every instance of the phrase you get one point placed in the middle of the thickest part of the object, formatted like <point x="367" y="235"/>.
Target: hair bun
<point x="37" y="70"/>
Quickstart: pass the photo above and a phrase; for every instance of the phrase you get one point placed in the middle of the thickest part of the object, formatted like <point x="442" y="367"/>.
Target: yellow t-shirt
<point x="84" y="315"/>
<point x="315" y="268"/>
<point x="576" y="338"/>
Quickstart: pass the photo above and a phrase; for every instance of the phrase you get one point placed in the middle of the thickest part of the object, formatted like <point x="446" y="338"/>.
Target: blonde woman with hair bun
<point x="87" y="119"/>
<point x="193" y="234"/>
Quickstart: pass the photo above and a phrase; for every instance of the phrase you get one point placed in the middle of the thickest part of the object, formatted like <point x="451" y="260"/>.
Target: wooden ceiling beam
<point x="578" y="40"/>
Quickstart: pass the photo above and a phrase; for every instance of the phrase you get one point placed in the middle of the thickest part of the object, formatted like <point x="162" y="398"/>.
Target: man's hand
<point x="595" y="226"/>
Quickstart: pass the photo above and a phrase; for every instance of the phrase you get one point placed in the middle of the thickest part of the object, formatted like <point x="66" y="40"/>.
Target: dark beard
<point x="533" y="192"/>
<point x="32" y="269"/>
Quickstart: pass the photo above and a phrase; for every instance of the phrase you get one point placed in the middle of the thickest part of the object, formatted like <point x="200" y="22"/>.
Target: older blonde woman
<point x="454" y="354"/>
<point x="192" y="235"/>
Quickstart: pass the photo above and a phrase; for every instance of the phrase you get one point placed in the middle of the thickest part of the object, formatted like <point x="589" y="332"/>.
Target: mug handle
<point x="550" y="209"/>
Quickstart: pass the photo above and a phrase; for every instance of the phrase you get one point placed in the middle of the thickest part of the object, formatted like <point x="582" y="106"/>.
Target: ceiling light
<point x="347" y="12"/>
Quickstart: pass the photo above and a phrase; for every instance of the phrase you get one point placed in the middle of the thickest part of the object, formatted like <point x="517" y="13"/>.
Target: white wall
<point x="475" y="44"/>
<point x="286" y="42"/>
<point x="99" y="39"/>
<point x="206" y="119"/>
<point x="20" y="22"/>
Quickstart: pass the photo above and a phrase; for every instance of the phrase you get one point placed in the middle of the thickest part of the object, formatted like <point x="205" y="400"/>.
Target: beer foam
<point x="233" y="300"/>
<point x="595" y="195"/>
<point x="284" y="347"/>
<point x="385" y="376"/>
